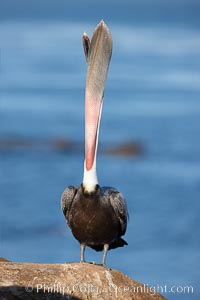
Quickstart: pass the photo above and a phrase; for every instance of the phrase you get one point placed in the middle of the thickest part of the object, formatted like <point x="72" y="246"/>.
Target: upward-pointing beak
<point x="98" y="54"/>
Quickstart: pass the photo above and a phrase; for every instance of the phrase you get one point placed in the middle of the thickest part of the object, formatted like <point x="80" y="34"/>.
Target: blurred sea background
<point x="152" y="101"/>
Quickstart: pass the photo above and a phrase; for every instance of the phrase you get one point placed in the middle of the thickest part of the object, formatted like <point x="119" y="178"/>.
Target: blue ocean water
<point x="152" y="97"/>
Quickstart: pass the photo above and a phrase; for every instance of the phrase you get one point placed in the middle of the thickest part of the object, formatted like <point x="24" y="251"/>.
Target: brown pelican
<point x="96" y="215"/>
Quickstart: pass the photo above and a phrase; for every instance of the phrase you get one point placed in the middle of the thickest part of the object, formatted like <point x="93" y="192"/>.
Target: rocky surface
<point x="125" y="149"/>
<point x="69" y="281"/>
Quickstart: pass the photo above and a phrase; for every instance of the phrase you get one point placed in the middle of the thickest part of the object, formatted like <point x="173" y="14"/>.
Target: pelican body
<point x="96" y="215"/>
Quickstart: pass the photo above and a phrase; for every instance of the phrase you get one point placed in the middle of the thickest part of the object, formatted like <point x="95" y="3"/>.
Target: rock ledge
<point x="69" y="281"/>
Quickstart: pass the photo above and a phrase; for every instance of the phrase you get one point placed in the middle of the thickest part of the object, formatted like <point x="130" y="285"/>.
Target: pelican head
<point x="98" y="53"/>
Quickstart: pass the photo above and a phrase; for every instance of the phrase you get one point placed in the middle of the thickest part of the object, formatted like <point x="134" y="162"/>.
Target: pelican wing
<point x="66" y="200"/>
<point x="119" y="205"/>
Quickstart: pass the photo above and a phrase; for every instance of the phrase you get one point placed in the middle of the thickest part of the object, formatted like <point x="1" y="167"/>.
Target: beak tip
<point x="103" y="25"/>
